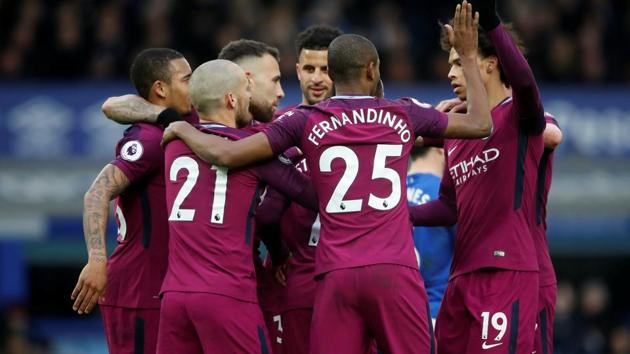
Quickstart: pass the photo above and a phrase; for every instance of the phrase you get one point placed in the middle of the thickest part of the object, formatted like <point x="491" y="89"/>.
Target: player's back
<point x="495" y="181"/>
<point x="137" y="266"/>
<point x="211" y="225"/>
<point x="357" y="149"/>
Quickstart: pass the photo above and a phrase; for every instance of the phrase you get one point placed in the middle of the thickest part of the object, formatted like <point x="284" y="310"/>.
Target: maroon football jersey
<point x="494" y="181"/>
<point x="211" y="213"/>
<point x="136" y="268"/>
<point x="356" y="148"/>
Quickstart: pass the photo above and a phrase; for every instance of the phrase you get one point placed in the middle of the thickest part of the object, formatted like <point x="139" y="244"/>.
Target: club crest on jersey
<point x="131" y="150"/>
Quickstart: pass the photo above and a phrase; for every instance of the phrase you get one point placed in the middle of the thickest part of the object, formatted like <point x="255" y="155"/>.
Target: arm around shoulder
<point x="130" y="109"/>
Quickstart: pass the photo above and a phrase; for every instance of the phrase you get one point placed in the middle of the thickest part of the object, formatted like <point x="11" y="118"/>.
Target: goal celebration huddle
<point x="389" y="225"/>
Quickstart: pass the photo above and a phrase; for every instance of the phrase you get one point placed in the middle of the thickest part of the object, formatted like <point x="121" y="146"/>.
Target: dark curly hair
<point x="316" y="37"/>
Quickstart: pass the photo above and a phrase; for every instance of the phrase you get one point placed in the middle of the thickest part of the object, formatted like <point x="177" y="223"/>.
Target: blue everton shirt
<point x="433" y="244"/>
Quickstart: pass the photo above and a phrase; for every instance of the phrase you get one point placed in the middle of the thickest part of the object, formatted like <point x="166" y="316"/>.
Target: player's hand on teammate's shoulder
<point x="174" y="130"/>
<point x="463" y="33"/>
<point x="90" y="287"/>
<point x="452" y="105"/>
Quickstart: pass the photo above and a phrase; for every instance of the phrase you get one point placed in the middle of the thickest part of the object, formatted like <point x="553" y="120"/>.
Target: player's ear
<point x="250" y="77"/>
<point x="492" y="64"/>
<point x="230" y="100"/>
<point x="160" y="89"/>
<point x="372" y="71"/>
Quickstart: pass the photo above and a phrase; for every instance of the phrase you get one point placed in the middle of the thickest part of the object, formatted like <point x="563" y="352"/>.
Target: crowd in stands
<point x="568" y="40"/>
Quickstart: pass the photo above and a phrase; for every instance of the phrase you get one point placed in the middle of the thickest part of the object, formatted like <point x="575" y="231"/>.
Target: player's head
<point x="221" y="85"/>
<point x="261" y="64"/>
<point x="311" y="46"/>
<point x="353" y="61"/>
<point x="161" y="76"/>
<point x="487" y="60"/>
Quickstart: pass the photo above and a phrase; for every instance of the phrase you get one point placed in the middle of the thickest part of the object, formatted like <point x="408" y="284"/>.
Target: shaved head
<point x="211" y="81"/>
<point x="348" y="54"/>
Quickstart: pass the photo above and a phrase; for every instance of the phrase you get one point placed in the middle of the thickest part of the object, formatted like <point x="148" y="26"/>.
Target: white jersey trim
<point x="350" y="97"/>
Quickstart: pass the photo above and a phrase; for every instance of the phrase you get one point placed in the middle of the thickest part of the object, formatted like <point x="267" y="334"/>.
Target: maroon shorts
<point x="384" y="302"/>
<point x="488" y="311"/>
<point x="297" y="330"/>
<point x="543" y="343"/>
<point x="209" y="323"/>
<point x="130" y="331"/>
<point x="275" y="328"/>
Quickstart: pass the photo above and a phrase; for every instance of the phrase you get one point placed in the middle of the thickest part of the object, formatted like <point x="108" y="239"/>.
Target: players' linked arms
<point x="93" y="278"/>
<point x="219" y="151"/>
<point x="477" y="122"/>
<point x="130" y="109"/>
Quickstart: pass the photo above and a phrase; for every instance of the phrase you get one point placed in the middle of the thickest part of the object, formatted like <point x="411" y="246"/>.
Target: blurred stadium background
<point x="59" y="60"/>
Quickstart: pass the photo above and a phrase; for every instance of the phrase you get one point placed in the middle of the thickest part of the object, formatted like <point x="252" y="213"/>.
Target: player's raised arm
<point x="477" y="122"/>
<point x="439" y="212"/>
<point x="93" y="278"/>
<point x="519" y="75"/>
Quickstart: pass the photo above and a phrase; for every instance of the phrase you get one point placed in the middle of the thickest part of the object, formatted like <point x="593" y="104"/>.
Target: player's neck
<point x="349" y="89"/>
<point x="497" y="92"/>
<point x="220" y="116"/>
<point x="426" y="165"/>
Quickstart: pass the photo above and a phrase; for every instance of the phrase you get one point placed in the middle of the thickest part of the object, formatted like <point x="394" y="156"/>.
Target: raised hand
<point x="463" y="33"/>
<point x="171" y="132"/>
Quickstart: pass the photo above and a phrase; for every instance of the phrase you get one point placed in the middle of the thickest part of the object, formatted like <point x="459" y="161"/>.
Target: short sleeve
<point x="426" y="121"/>
<point x="139" y="153"/>
<point x="286" y="131"/>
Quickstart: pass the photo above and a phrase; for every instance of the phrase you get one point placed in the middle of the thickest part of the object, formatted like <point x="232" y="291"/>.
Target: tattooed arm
<point x="93" y="278"/>
<point x="130" y="109"/>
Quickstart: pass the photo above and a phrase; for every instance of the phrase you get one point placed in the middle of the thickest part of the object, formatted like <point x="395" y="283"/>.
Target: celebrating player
<point x="261" y="65"/>
<point x="433" y="244"/>
<point x="552" y="137"/>
<point x="134" y="273"/>
<point x="209" y="292"/>
<point x="491" y="299"/>
<point x="299" y="226"/>
<point x="356" y="147"/>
